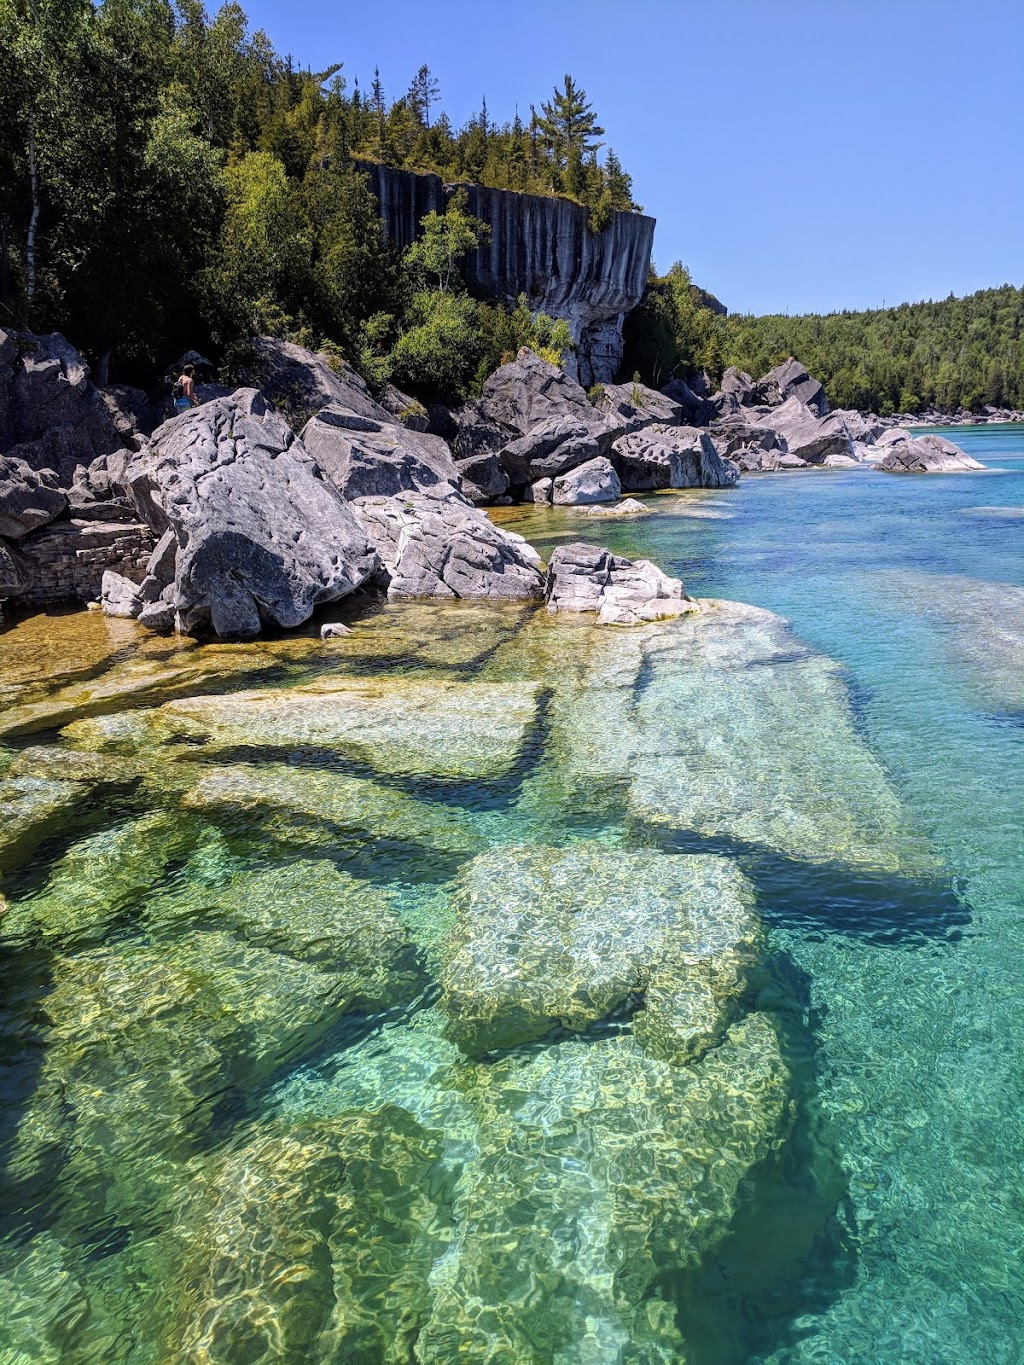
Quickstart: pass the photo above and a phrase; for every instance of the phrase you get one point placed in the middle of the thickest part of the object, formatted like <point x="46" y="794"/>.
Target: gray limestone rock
<point x="930" y="454"/>
<point x="791" y="380"/>
<point x="259" y="537"/>
<point x="595" y="481"/>
<point x="635" y="406"/>
<point x="809" y="436"/>
<point x="409" y="411"/>
<point x="445" y="547"/>
<point x="300" y="383"/>
<point x="670" y="457"/>
<point x="134" y="417"/>
<point x="365" y="458"/>
<point x="28" y="498"/>
<point x="13" y="579"/>
<point x="589" y="578"/>
<point x="119" y="596"/>
<point x="540" y="491"/>
<point x="739" y="385"/>
<point x="528" y="391"/>
<point x="552" y="447"/>
<point x="483" y="478"/>
<point x="51" y="416"/>
<point x="697" y="411"/>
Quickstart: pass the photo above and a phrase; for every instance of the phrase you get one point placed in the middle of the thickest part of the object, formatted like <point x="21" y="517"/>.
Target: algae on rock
<point x="598" y="1167"/>
<point x="309" y="1244"/>
<point x="547" y="938"/>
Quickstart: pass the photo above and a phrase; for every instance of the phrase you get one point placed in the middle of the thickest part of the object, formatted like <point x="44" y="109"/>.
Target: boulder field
<point x="264" y="504"/>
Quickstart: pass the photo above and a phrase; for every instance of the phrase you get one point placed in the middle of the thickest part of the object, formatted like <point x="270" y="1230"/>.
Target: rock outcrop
<point x="595" y="481"/>
<point x="588" y="578"/>
<point x="905" y="454"/>
<point x="301" y="383"/>
<point x="28" y="498"/>
<point x="445" y="547"/>
<point x="670" y="457"/>
<point x="251" y="535"/>
<point x="542" y="247"/>
<point x="813" y="439"/>
<point x="366" y="458"/>
<point x="791" y="380"/>
<point x="51" y="416"/>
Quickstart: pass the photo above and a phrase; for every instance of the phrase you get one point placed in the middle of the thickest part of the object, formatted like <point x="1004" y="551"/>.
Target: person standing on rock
<point x="184" y="390"/>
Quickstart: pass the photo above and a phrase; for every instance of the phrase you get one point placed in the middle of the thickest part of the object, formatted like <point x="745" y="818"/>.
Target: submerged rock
<point x="454" y="730"/>
<point x="307" y="1244"/>
<point x="327" y="805"/>
<point x="597" y="1169"/>
<point x="740" y="733"/>
<point x="622" y="592"/>
<point x="101" y="880"/>
<point x="548" y="938"/>
<point x="31" y="808"/>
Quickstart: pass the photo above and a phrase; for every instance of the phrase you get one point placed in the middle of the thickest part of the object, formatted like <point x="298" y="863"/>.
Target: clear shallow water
<point x="220" y="1150"/>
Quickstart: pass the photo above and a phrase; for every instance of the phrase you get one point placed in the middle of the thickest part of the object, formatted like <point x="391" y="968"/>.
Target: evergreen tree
<point x="568" y="124"/>
<point x="423" y="92"/>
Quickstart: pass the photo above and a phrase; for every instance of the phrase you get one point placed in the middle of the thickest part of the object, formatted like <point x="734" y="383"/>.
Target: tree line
<point x="951" y="354"/>
<point x="168" y="179"/>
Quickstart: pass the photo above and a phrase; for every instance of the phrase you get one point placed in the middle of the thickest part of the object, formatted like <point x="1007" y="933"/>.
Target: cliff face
<point x="542" y="248"/>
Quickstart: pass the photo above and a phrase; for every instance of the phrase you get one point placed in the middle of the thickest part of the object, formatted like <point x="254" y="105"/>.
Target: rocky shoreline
<point x="271" y="501"/>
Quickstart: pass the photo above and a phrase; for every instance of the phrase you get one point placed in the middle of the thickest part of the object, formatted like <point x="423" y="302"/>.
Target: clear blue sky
<point x="799" y="155"/>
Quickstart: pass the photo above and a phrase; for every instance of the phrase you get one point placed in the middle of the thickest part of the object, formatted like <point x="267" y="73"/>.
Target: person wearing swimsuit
<point x="184" y="390"/>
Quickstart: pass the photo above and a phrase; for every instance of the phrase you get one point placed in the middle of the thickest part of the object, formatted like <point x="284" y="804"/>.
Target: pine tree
<point x="568" y="124"/>
<point x="423" y="92"/>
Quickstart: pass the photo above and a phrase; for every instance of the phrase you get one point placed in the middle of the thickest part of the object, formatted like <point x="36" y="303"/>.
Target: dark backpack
<point x="177" y="389"/>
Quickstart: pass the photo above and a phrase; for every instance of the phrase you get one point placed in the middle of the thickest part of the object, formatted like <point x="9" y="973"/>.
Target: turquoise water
<point x="235" y="1130"/>
<point x="915" y="586"/>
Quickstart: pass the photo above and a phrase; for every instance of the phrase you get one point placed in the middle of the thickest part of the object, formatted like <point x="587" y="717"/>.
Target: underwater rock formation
<point x="560" y="938"/>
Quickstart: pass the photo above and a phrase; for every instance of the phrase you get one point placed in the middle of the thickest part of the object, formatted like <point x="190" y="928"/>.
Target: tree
<point x="423" y="92"/>
<point x="447" y="238"/>
<point x="568" y="125"/>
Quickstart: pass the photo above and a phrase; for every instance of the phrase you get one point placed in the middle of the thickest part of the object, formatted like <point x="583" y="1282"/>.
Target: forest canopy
<point x="955" y="353"/>
<point x="168" y="179"/>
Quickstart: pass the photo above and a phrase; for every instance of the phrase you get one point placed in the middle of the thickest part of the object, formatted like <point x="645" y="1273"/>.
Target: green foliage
<point x="673" y="332"/>
<point x="447" y="238"/>
<point x="950" y="354"/>
<point x="168" y="180"/>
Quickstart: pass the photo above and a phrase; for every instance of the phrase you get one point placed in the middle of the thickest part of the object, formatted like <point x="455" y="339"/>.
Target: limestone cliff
<point x="542" y="248"/>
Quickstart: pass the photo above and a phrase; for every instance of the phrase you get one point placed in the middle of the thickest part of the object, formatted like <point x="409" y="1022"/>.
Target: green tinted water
<point x="235" y="1128"/>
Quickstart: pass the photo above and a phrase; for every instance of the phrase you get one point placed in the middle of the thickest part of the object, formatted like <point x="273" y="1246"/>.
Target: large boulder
<point x="595" y="481"/>
<point x="251" y="534"/>
<point x="529" y="390"/>
<point x="670" y="457"/>
<point x="697" y="410"/>
<point x="790" y="380"/>
<point x="552" y="447"/>
<point x="739" y="385"/>
<point x="51" y="416"/>
<point x="635" y="405"/>
<point x="28" y="498"/>
<point x="301" y="383"/>
<point x="483" y="477"/>
<point x="365" y="458"/>
<point x="589" y="578"/>
<point x="809" y="437"/>
<point x="445" y="547"/>
<point x="98" y="491"/>
<point x="930" y="454"/>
